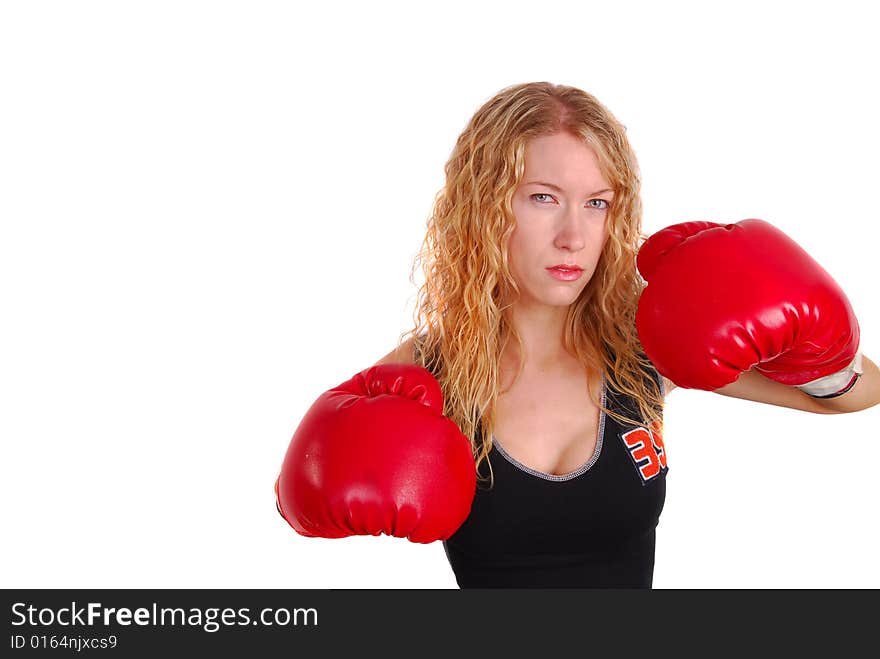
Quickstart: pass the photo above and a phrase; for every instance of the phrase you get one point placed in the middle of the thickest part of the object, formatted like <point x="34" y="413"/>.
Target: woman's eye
<point x="538" y="196"/>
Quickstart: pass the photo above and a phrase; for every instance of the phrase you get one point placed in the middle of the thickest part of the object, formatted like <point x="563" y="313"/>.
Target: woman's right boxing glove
<point x="376" y="455"/>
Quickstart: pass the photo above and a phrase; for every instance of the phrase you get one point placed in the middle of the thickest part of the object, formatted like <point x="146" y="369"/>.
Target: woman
<point x="534" y="339"/>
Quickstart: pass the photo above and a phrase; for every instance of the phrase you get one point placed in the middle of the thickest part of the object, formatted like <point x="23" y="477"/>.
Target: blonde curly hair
<point x="462" y="316"/>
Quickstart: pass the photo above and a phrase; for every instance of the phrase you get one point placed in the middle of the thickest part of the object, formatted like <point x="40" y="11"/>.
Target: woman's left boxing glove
<point x="724" y="298"/>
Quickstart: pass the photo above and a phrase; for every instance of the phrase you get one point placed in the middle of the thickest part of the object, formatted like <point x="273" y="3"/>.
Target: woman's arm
<point x="751" y="385"/>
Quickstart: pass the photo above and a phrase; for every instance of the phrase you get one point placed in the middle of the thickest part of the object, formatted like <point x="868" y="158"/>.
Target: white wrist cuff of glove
<point x="835" y="384"/>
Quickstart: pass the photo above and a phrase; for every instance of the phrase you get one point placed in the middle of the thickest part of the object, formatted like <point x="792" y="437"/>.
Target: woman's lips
<point x="565" y="274"/>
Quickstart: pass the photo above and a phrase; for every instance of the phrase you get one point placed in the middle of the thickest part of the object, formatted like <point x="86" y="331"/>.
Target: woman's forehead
<point x="564" y="161"/>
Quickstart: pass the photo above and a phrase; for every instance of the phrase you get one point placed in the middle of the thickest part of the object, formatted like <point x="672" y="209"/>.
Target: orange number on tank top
<point x="659" y="446"/>
<point x="647" y="449"/>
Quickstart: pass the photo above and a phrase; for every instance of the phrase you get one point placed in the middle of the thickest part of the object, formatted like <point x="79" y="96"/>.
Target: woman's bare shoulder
<point x="402" y="355"/>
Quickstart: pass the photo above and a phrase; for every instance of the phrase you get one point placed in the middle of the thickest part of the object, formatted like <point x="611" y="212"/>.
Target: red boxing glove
<point x="376" y="455"/>
<point x="723" y="298"/>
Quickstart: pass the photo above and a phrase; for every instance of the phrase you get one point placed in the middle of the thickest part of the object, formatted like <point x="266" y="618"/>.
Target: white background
<point x="209" y="216"/>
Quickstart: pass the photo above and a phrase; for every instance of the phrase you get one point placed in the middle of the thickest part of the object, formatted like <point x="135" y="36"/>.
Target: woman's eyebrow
<point x="558" y="189"/>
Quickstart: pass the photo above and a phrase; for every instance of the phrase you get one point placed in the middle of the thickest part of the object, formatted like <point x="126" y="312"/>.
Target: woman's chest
<point x="550" y="425"/>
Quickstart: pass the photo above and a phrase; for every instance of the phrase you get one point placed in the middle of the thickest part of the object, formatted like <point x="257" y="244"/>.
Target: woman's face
<point x="560" y="209"/>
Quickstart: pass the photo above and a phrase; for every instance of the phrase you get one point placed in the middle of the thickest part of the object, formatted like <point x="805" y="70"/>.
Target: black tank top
<point x="591" y="528"/>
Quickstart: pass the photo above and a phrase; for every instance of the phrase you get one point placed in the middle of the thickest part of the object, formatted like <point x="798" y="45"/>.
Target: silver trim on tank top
<point x="571" y="474"/>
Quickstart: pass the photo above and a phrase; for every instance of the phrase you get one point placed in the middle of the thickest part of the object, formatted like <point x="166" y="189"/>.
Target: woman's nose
<point x="570" y="233"/>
